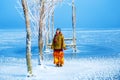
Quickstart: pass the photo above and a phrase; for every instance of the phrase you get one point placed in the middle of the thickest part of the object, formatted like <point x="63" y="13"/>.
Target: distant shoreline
<point x="68" y="29"/>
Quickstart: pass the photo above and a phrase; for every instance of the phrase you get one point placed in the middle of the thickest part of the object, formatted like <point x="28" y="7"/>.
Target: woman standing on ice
<point x="58" y="45"/>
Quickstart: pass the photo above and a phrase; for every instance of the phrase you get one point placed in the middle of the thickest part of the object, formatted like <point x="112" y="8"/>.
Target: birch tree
<point x="74" y="24"/>
<point x="28" y="37"/>
<point x="40" y="41"/>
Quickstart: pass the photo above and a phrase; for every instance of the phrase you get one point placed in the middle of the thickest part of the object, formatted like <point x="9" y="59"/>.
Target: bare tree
<point x="28" y="37"/>
<point x="74" y="25"/>
<point x="40" y="41"/>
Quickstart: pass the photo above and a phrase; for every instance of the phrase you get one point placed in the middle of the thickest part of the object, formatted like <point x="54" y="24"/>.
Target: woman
<point x="58" y="45"/>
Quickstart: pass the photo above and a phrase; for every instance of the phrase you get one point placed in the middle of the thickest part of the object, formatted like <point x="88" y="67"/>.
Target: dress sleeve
<point x="63" y="45"/>
<point x="52" y="46"/>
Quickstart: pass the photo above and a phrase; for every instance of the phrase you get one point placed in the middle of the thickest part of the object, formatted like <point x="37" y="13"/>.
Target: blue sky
<point x="91" y="14"/>
<point x="9" y="17"/>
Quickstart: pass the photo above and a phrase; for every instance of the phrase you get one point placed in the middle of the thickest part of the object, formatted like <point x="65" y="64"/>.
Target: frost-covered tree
<point x="40" y="32"/>
<point x="28" y="37"/>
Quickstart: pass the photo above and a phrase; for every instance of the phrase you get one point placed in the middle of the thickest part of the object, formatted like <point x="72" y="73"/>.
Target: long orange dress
<point x="58" y="57"/>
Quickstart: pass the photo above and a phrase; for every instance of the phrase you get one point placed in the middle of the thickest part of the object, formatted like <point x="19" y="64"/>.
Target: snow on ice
<point x="81" y="69"/>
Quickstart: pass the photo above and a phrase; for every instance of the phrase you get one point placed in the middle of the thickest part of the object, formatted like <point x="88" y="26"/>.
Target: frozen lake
<point x="101" y="43"/>
<point x="97" y="57"/>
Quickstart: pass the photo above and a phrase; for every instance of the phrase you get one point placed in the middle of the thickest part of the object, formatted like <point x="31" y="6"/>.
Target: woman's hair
<point x="58" y="29"/>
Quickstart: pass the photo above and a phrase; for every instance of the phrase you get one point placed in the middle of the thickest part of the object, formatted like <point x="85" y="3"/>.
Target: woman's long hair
<point x="55" y="36"/>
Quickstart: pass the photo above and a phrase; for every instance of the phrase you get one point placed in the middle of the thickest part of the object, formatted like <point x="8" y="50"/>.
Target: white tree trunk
<point x="41" y="25"/>
<point x="52" y="20"/>
<point x="74" y="24"/>
<point x="28" y="37"/>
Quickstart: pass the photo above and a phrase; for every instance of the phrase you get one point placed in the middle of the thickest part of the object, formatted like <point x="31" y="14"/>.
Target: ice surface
<point x="97" y="58"/>
<point x="75" y="69"/>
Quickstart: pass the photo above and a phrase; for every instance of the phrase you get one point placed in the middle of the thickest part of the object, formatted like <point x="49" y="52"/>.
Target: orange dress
<point x="58" y="57"/>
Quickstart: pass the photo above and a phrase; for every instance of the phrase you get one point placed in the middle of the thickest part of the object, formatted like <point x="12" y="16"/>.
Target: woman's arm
<point x="52" y="46"/>
<point x="63" y="43"/>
